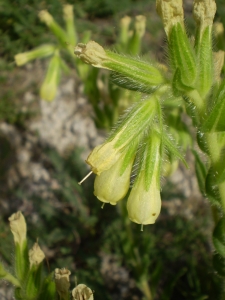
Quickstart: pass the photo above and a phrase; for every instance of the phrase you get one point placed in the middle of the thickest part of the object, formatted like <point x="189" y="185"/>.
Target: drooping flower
<point x="129" y="130"/>
<point x="113" y="184"/>
<point x="144" y="202"/>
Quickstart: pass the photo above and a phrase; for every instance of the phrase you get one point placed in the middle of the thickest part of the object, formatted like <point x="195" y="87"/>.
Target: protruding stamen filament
<point x="141" y="227"/>
<point x="85" y="177"/>
<point x="102" y="205"/>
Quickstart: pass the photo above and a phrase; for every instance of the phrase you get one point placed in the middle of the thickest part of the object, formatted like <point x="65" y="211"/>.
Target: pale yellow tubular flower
<point x="112" y="186"/>
<point x="36" y="255"/>
<point x="68" y="11"/>
<point x="62" y="281"/>
<point x="18" y="228"/>
<point x="45" y="17"/>
<point x="140" y="24"/>
<point x="144" y="206"/>
<point x="82" y="292"/>
<point x="171" y="12"/>
<point x="204" y="12"/>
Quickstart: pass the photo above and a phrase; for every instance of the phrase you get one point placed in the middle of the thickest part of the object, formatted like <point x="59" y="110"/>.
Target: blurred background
<point x="43" y="145"/>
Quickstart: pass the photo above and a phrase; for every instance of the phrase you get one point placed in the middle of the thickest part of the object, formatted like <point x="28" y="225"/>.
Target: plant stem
<point x="215" y="155"/>
<point x="145" y="288"/>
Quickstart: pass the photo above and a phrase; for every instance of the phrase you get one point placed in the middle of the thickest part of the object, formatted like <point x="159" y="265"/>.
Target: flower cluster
<point x="135" y="141"/>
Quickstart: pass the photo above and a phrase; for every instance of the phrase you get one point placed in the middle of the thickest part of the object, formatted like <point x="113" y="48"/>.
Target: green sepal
<point x="216" y="120"/>
<point x="48" y="291"/>
<point x="151" y="162"/>
<point x="219" y="237"/>
<point x="136" y="121"/>
<point x="21" y="261"/>
<point x="200" y="171"/>
<point x="140" y="72"/>
<point x="178" y="85"/>
<point x="211" y="189"/>
<point x="182" y="54"/>
<point x="131" y="84"/>
<point x="205" y="63"/>
<point x="34" y="281"/>
<point x="129" y="157"/>
<point x="173" y="149"/>
<point x="219" y="264"/>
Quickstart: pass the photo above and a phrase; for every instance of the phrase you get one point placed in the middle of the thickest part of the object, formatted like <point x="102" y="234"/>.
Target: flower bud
<point x="18" y="228"/>
<point x="129" y="130"/>
<point x="39" y="52"/>
<point x="113" y="184"/>
<point x="81" y="292"/>
<point x="134" y="46"/>
<point x="49" y="86"/>
<point x="46" y="18"/>
<point x="62" y="282"/>
<point x="204" y="12"/>
<point x="70" y="26"/>
<point x="36" y="255"/>
<point x="124" y="30"/>
<point x="139" y="72"/>
<point x="171" y="13"/>
<point x="144" y="202"/>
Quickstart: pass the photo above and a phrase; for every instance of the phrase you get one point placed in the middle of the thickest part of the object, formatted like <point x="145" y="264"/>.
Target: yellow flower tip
<point x="62" y="281"/>
<point x="125" y="22"/>
<point x="140" y="24"/>
<point x="111" y="186"/>
<point x="204" y="12"/>
<point x="21" y="59"/>
<point x="144" y="206"/>
<point x="18" y="227"/>
<point x="82" y="292"/>
<point x="218" y="28"/>
<point x="171" y="12"/>
<point x="91" y="53"/>
<point x="68" y="11"/>
<point x="36" y="255"/>
<point x="45" y="17"/>
<point x="103" y="157"/>
<point x="48" y="91"/>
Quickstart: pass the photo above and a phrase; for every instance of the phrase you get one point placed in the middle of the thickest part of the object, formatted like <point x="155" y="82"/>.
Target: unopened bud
<point x="171" y="12"/>
<point x="204" y="12"/>
<point x="62" y="281"/>
<point x="45" y="17"/>
<point x="18" y="227"/>
<point x="82" y="292"/>
<point x="39" y="52"/>
<point x="140" y="24"/>
<point x="36" y="255"/>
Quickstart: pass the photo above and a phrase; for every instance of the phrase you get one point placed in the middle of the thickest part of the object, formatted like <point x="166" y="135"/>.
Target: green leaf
<point x="219" y="237"/>
<point x="211" y="189"/>
<point x="200" y="171"/>
<point x="182" y="55"/>
<point x="178" y="85"/>
<point x="219" y="264"/>
<point x="216" y="119"/>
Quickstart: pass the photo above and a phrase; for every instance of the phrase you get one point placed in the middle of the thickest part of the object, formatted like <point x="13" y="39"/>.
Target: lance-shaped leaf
<point x="200" y="171"/>
<point x="219" y="237"/>
<point x="182" y="54"/>
<point x="216" y="119"/>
